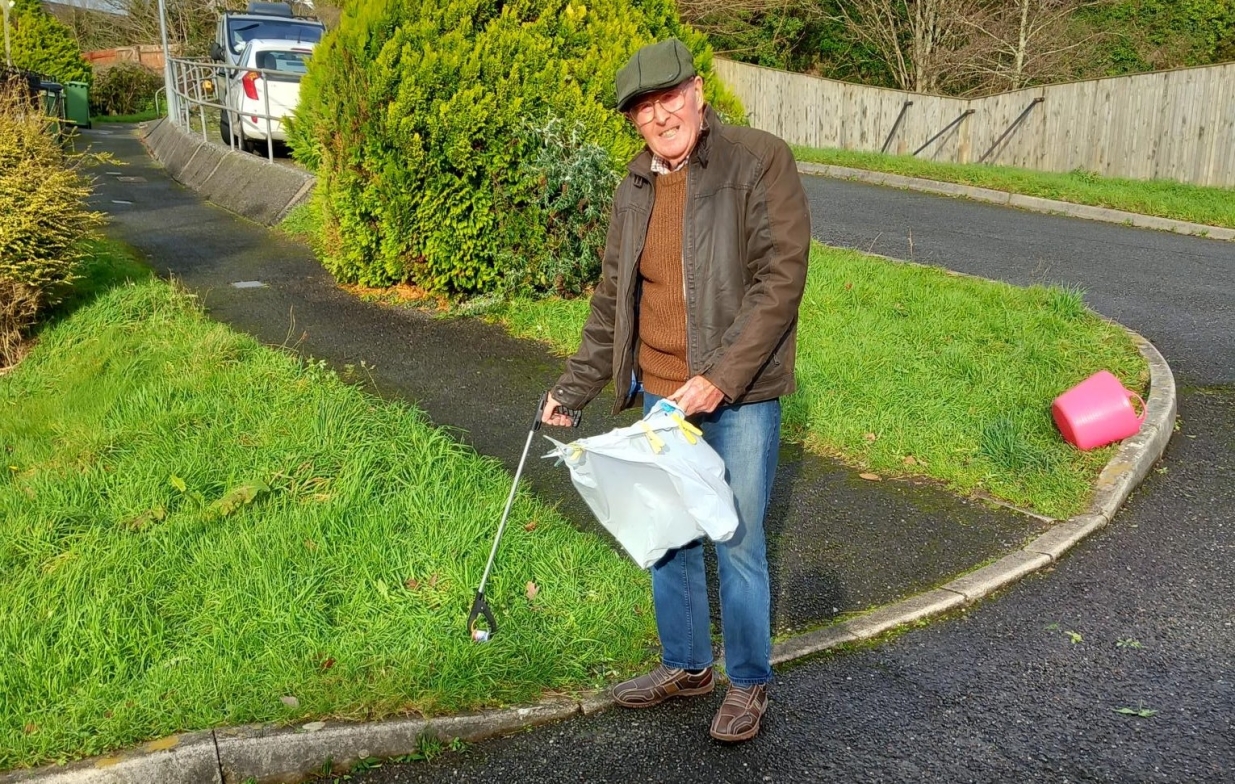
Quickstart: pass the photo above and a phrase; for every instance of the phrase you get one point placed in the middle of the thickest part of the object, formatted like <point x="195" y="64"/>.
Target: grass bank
<point x="906" y="370"/>
<point x="196" y="530"/>
<point x="146" y="116"/>
<point x="1161" y="198"/>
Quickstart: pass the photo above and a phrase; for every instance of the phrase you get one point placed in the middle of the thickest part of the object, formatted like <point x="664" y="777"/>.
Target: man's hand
<point x="551" y="416"/>
<point x="697" y="396"/>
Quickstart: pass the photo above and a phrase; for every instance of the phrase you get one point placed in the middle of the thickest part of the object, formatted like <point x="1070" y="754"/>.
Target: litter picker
<point x="479" y="606"/>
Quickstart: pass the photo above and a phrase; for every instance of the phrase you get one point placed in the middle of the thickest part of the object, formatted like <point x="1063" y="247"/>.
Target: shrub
<point x="19" y="305"/>
<point x="43" y="217"/>
<point x="40" y="43"/>
<point x="468" y="146"/>
<point x="124" y="88"/>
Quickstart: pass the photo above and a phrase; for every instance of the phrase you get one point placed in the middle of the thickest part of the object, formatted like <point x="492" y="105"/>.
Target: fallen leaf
<point x="871" y="437"/>
<point x="31" y="728"/>
<point x="178" y="483"/>
<point x="327" y="664"/>
<point x="239" y="497"/>
<point x="910" y="460"/>
<point x="433" y="580"/>
<point x="314" y="726"/>
<point x="871" y="477"/>
<point x="289" y="701"/>
<point x="848" y="286"/>
<point x="532" y="590"/>
<point x="412" y="584"/>
<point x="530" y="526"/>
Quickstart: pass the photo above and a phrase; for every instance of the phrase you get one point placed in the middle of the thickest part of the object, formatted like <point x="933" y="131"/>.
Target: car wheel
<point x="225" y="128"/>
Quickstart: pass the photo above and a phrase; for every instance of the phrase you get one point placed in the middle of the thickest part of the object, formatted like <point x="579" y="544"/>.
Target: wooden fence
<point x="1177" y="125"/>
<point x="149" y="55"/>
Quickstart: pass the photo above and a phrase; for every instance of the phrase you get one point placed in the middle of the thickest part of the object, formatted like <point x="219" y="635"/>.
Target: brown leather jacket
<point x="744" y="247"/>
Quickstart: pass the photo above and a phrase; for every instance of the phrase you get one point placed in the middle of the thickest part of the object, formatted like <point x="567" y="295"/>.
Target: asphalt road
<point x="1115" y="665"/>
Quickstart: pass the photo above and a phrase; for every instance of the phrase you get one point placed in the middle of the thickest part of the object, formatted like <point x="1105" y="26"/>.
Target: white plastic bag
<point x="655" y="485"/>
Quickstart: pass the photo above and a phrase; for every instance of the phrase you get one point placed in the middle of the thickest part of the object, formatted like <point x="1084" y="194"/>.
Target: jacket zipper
<point x="685" y="294"/>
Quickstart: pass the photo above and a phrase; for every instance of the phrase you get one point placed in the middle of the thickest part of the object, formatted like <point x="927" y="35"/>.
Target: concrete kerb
<point x="245" y="184"/>
<point x="1031" y="203"/>
<point x="268" y="754"/>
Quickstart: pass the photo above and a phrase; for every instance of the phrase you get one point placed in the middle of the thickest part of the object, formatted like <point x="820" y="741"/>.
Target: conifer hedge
<point x="471" y="146"/>
<point x="41" y="43"/>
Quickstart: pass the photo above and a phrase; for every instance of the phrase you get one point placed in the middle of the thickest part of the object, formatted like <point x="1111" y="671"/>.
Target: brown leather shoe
<point x="661" y="684"/>
<point x="740" y="713"/>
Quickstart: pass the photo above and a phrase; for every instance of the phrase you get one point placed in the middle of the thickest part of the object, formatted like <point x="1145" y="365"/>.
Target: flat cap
<point x="654" y="67"/>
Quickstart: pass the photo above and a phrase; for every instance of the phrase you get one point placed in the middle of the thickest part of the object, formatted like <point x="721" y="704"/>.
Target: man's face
<point x="670" y="120"/>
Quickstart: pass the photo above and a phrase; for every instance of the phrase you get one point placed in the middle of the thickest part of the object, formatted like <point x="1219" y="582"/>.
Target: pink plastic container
<point x="1097" y="412"/>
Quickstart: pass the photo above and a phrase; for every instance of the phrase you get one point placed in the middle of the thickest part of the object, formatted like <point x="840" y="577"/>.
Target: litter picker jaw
<point x="480" y="607"/>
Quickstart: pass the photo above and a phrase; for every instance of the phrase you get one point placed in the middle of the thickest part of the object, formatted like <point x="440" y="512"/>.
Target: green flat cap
<point x="654" y="67"/>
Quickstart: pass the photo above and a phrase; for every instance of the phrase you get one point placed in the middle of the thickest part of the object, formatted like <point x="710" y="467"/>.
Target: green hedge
<point x="40" y="43"/>
<point x="43" y="218"/>
<point x="124" y="88"/>
<point x="470" y="147"/>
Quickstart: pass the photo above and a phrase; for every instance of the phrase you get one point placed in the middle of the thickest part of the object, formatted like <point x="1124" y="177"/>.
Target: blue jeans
<point x="747" y="437"/>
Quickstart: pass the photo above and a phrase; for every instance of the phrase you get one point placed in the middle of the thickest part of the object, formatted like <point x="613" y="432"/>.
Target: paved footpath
<point x="1001" y="692"/>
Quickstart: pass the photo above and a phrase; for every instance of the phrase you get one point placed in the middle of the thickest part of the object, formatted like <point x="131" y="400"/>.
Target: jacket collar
<point x="641" y="166"/>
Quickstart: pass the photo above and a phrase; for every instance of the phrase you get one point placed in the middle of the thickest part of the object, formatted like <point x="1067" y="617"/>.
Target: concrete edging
<point x="268" y="754"/>
<point x="245" y="184"/>
<point x="1031" y="203"/>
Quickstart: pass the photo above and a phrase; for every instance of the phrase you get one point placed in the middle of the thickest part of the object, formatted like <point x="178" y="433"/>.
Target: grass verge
<point x="1161" y="198"/>
<point x="196" y="531"/>
<point x="146" y="116"/>
<point x="906" y="370"/>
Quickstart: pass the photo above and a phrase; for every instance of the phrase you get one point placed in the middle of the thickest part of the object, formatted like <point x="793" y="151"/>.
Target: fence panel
<point x="1176" y="125"/>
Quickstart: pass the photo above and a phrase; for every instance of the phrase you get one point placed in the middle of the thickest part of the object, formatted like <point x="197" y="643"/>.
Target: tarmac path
<point x="1024" y="687"/>
<point x="1027" y="686"/>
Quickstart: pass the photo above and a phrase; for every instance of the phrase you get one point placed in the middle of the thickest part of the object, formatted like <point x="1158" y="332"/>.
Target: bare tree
<point x="923" y="42"/>
<point x="1027" y="41"/>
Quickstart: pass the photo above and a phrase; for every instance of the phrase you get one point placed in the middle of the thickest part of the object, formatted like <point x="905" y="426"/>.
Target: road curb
<point x="1030" y="203"/>
<point x="267" y="753"/>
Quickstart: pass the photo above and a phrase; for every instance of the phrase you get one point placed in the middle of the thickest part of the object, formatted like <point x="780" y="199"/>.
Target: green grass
<point x="195" y="529"/>
<point x="149" y="114"/>
<point x="899" y="361"/>
<point x="1161" y="198"/>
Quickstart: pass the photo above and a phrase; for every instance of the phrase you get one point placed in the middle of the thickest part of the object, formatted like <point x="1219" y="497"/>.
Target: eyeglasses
<point x="671" y="101"/>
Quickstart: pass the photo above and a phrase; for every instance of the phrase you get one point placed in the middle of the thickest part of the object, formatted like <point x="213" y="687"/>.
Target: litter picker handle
<point x="576" y="415"/>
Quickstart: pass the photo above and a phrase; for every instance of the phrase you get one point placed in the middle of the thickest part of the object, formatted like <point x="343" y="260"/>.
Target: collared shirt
<point x="661" y="166"/>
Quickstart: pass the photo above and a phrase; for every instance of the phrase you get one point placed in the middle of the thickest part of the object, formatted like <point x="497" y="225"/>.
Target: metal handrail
<point x="188" y="78"/>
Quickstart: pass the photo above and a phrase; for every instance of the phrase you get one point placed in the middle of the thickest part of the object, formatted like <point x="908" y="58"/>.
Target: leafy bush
<point x="124" y="88"/>
<point x="40" y="43"/>
<point x="468" y="146"/>
<point x="43" y="217"/>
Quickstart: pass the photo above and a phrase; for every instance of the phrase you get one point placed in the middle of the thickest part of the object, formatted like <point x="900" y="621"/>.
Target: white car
<point x="266" y="83"/>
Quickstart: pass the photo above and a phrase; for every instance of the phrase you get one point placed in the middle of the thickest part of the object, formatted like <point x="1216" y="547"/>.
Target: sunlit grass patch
<point x="196" y="530"/>
<point x="909" y="370"/>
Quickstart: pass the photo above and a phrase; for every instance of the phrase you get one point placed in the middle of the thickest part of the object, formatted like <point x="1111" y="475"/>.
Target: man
<point x="698" y="299"/>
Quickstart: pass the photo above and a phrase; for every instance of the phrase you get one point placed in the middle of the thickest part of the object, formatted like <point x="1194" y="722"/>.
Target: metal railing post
<point x="269" y="135"/>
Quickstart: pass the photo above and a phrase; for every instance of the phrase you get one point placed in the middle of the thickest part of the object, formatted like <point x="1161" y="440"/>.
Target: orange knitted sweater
<point x="662" y="305"/>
